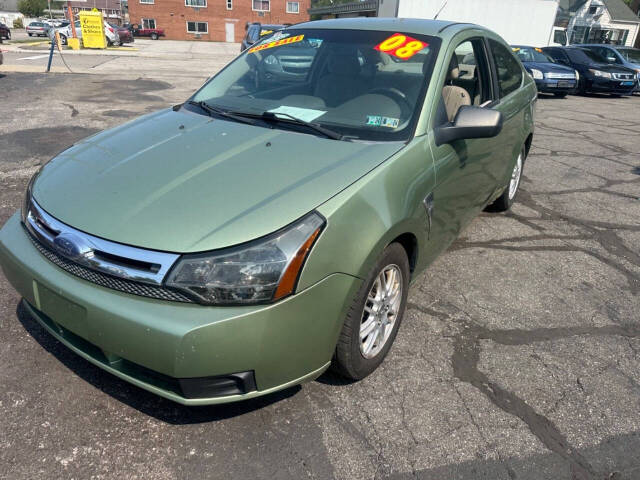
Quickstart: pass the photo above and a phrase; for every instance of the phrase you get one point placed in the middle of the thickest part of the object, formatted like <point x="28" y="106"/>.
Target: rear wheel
<point x="506" y="200"/>
<point x="154" y="36"/>
<point x="374" y="316"/>
<point x="30" y="34"/>
<point x="63" y="39"/>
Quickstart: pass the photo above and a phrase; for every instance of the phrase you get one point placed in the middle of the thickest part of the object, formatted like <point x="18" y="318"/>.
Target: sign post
<point x="92" y="27"/>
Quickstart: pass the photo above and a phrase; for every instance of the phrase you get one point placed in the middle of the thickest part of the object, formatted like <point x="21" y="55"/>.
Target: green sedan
<point x="270" y="227"/>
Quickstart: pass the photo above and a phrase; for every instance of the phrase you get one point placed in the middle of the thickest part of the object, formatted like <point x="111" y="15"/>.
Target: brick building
<point x="111" y="9"/>
<point x="214" y="20"/>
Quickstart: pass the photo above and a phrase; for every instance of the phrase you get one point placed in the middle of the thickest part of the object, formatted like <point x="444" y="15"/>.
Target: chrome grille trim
<point x="107" y="281"/>
<point x="113" y="259"/>
<point x="623" y="76"/>
<point x="569" y="76"/>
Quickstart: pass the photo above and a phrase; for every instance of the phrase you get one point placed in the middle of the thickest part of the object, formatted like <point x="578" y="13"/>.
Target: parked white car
<point x="110" y="33"/>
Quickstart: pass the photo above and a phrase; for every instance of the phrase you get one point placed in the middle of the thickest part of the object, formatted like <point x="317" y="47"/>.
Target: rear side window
<point x="507" y="68"/>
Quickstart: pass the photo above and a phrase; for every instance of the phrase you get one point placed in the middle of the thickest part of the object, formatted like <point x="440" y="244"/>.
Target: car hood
<point x="605" y="67"/>
<point x="546" y="67"/>
<point x="182" y="182"/>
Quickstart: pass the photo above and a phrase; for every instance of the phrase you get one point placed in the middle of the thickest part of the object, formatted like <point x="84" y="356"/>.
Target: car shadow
<point x="137" y="398"/>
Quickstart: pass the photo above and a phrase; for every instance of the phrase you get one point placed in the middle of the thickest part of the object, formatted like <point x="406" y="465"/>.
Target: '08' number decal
<point x="401" y="46"/>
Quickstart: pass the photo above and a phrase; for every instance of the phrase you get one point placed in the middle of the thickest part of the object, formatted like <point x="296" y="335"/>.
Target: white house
<point x="603" y="21"/>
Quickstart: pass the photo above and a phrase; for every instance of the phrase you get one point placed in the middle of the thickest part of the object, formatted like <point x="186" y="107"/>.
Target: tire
<point x="352" y="359"/>
<point x="109" y="42"/>
<point x="63" y="39"/>
<point x="560" y="95"/>
<point x="8" y="35"/>
<point x="508" y="197"/>
<point x="30" y="34"/>
<point x="154" y="36"/>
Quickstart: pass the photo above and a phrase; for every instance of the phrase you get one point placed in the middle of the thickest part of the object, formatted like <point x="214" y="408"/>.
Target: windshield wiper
<point x="211" y="110"/>
<point x="286" y="118"/>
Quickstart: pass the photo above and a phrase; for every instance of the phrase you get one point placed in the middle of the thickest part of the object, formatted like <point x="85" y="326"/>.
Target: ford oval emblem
<point x="71" y="246"/>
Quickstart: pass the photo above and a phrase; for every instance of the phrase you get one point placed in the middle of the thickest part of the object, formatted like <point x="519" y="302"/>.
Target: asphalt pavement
<point x="518" y="358"/>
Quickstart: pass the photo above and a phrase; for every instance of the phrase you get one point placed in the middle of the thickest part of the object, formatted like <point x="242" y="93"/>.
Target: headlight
<point x="537" y="74"/>
<point x="26" y="204"/>
<point x="261" y="271"/>
<point x="577" y="75"/>
<point x="598" y="73"/>
<point x="271" y="60"/>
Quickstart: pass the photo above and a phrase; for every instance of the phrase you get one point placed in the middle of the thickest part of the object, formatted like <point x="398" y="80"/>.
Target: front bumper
<point x="555" y="86"/>
<point x="605" y="85"/>
<point x="283" y="344"/>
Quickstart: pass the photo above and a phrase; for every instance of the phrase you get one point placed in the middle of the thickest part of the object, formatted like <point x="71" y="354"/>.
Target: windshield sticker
<point x="265" y="32"/>
<point x="374" y="120"/>
<point x="516" y="49"/>
<point x="401" y="46"/>
<point x="277" y="43"/>
<point x="304" y="114"/>
<point x="390" y="122"/>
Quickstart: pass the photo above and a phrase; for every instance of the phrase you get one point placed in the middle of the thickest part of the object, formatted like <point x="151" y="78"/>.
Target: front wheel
<point x="374" y="316"/>
<point x="63" y="39"/>
<point x="154" y="36"/>
<point x="506" y="200"/>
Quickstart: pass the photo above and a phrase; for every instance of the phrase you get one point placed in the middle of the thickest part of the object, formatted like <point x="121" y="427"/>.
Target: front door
<point x="229" y="32"/>
<point x="464" y="180"/>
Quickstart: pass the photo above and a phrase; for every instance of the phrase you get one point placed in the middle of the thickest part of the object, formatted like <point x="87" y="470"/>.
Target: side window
<point x="507" y="67"/>
<point x="468" y="80"/>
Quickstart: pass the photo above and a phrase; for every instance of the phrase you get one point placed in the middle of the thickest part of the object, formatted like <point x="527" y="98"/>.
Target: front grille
<point x="568" y="76"/>
<point x="623" y="76"/>
<point x="108" y="281"/>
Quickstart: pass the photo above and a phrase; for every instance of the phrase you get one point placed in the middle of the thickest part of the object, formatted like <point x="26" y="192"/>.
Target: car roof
<point x="409" y="25"/>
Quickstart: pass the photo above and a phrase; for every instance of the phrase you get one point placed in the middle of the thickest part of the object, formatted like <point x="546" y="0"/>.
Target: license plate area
<point x="64" y="312"/>
<point x="626" y="84"/>
<point x="564" y="84"/>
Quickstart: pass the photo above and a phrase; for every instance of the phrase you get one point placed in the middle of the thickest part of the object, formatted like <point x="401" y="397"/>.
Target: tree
<point x="32" y="8"/>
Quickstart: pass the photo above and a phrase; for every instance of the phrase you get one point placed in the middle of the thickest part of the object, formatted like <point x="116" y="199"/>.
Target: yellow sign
<point x="277" y="43"/>
<point x="92" y="27"/>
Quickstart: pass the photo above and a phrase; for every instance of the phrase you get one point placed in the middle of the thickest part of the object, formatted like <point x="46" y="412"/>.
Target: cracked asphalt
<point x="518" y="358"/>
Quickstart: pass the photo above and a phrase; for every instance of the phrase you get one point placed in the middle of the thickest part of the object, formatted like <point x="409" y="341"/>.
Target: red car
<point x="124" y="33"/>
<point x="153" y="33"/>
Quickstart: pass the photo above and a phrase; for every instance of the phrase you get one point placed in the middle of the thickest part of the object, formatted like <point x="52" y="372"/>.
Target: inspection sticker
<point x="277" y="43"/>
<point x="401" y="46"/>
<point x="390" y="122"/>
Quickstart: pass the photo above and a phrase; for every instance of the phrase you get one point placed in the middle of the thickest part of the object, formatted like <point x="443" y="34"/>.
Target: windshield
<point x="630" y="54"/>
<point x="362" y="84"/>
<point x="531" y="54"/>
<point x="584" y="56"/>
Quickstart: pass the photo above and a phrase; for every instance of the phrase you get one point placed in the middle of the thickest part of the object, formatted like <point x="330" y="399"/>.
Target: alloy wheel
<point x="380" y="311"/>
<point x="515" y="178"/>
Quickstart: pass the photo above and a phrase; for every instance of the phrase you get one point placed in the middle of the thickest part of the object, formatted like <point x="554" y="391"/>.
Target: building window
<point x="293" y="7"/>
<point x="197" y="27"/>
<point x="149" y="23"/>
<point x="593" y="10"/>
<point x="229" y="4"/>
<point x="195" y="3"/>
<point x="261" y="5"/>
<point x="150" y="2"/>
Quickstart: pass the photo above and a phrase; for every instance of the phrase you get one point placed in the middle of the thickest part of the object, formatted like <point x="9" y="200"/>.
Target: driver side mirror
<point x="470" y="122"/>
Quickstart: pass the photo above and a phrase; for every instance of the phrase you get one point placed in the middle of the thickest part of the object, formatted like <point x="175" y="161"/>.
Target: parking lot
<point x="518" y="358"/>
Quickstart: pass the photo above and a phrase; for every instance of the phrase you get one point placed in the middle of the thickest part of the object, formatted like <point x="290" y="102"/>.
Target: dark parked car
<point x="5" y="33"/>
<point x="596" y="75"/>
<point x="126" y="36"/>
<point x="550" y="77"/>
<point x="618" y="55"/>
<point x="257" y="30"/>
